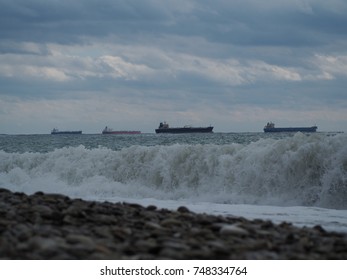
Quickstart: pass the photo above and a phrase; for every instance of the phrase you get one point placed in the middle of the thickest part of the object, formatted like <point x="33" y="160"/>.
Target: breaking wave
<point x="296" y="171"/>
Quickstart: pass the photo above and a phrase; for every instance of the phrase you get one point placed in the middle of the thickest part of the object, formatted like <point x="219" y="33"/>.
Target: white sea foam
<point x="330" y="219"/>
<point x="295" y="171"/>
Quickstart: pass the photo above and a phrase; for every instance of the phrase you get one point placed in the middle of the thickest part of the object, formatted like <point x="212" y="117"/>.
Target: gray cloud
<point x="237" y="22"/>
<point x="226" y="55"/>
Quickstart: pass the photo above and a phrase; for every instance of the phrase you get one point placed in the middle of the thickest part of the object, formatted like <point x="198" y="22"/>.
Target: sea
<point x="282" y="177"/>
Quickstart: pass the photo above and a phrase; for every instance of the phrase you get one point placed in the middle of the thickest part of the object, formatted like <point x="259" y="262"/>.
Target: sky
<point x="130" y="64"/>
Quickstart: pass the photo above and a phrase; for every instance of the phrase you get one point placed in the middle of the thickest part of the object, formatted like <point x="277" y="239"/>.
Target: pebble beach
<point x="54" y="226"/>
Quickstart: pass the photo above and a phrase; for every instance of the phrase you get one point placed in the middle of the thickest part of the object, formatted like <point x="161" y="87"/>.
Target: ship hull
<point x="121" y="132"/>
<point x="66" y="132"/>
<point x="291" y="129"/>
<point x="177" y="130"/>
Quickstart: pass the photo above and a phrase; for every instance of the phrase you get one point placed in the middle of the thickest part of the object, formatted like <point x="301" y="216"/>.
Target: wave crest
<point x="300" y="170"/>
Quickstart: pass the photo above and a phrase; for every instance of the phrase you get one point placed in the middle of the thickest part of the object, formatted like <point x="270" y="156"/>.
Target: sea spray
<point x="302" y="170"/>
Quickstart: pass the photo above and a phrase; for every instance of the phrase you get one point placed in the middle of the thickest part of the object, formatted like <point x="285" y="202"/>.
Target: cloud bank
<point x="130" y="64"/>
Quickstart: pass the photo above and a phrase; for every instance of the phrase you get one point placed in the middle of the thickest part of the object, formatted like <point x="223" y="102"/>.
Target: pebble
<point x="53" y="226"/>
<point x="152" y="225"/>
<point x="233" y="229"/>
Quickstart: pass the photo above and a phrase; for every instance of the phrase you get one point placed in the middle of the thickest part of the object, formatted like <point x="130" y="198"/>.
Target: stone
<point x="232" y="230"/>
<point x="183" y="209"/>
<point x="42" y="226"/>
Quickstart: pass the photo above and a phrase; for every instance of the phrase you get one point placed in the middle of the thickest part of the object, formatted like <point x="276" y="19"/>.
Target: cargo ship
<point x="57" y="131"/>
<point x="270" y="127"/>
<point x="164" y="128"/>
<point x="108" y="130"/>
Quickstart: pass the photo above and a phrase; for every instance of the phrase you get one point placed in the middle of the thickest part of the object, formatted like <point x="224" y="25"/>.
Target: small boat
<point x="57" y="131"/>
<point x="270" y="127"/>
<point x="111" y="131"/>
<point x="164" y="128"/>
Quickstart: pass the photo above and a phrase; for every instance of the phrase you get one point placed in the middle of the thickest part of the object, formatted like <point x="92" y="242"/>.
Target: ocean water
<point x="298" y="178"/>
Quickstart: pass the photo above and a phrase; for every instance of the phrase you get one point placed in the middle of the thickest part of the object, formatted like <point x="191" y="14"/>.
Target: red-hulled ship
<point x="108" y="130"/>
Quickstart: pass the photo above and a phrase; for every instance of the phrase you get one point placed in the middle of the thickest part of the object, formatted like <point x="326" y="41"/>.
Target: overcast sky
<point x="129" y="64"/>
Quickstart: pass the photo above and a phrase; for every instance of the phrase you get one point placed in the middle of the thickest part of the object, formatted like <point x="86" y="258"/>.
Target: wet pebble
<point x="44" y="226"/>
<point x="233" y="229"/>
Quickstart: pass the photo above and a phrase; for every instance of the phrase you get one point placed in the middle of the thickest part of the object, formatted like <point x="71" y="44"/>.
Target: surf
<point x="294" y="171"/>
